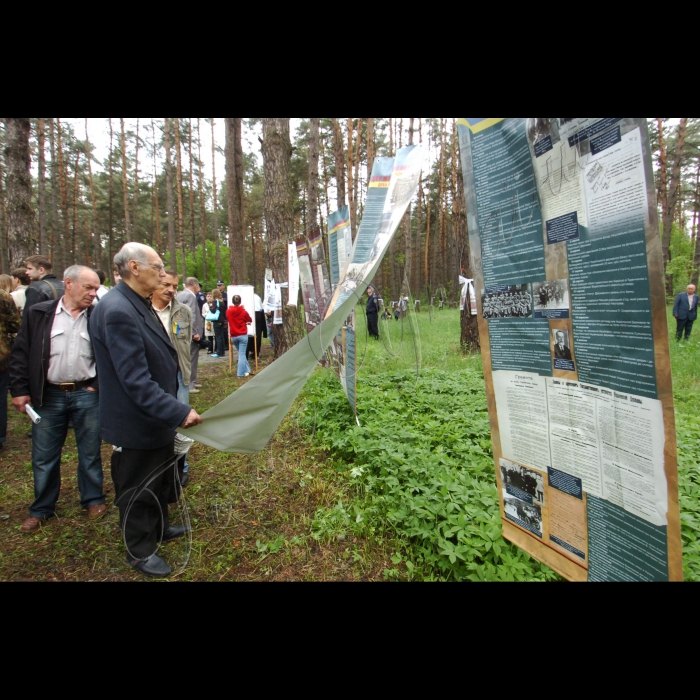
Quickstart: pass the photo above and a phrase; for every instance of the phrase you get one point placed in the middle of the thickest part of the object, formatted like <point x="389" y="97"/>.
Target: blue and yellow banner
<point x="477" y="124"/>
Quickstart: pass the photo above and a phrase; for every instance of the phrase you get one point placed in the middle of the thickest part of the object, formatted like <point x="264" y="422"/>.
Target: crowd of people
<point x="117" y="365"/>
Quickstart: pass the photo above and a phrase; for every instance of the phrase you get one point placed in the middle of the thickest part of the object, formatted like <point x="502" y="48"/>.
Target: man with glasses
<point x="139" y="410"/>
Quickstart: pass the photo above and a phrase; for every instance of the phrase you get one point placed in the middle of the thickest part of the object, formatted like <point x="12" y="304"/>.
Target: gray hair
<point x="131" y="251"/>
<point x="75" y="272"/>
<point x="191" y="282"/>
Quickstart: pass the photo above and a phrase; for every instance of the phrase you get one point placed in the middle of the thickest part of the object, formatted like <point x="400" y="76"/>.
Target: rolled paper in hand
<point x="36" y="418"/>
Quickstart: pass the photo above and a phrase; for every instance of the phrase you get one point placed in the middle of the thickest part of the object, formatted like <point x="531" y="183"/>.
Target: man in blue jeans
<point x="52" y="368"/>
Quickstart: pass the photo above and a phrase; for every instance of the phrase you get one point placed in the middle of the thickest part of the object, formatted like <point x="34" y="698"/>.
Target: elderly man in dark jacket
<point x="139" y="411"/>
<point x="52" y="368"/>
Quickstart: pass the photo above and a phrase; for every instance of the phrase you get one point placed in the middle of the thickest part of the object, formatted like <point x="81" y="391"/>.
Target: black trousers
<point x="147" y="518"/>
<point x="684" y="325"/>
<point x="260" y="332"/>
<point x="372" y="327"/>
<point x="220" y="344"/>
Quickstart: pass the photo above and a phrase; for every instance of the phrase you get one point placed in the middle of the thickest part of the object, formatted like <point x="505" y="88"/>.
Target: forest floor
<point x="303" y="510"/>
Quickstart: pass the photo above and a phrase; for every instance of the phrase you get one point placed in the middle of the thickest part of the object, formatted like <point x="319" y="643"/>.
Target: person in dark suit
<point x="561" y="349"/>
<point x="139" y="412"/>
<point x="685" y="311"/>
<point x="189" y="296"/>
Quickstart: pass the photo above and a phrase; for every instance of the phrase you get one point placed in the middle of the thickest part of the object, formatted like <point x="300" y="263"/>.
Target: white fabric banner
<point x="293" y="265"/>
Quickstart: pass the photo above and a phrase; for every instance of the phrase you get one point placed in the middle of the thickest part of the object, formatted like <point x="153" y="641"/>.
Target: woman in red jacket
<point x="238" y="322"/>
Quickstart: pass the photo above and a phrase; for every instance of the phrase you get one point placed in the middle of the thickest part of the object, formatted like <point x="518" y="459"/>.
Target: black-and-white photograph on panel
<point x="504" y="301"/>
<point x="551" y="299"/>
<point x="523" y="483"/>
<point x="522" y="513"/>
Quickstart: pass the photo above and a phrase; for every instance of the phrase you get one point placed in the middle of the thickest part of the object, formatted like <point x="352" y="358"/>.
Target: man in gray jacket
<point x="188" y="297"/>
<point x="177" y="321"/>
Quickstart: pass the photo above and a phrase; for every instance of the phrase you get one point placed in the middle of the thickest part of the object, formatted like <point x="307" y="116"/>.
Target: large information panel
<point x="567" y="261"/>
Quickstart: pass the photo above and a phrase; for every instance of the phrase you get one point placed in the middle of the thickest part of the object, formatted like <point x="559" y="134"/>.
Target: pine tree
<point x="279" y="219"/>
<point x="20" y="215"/>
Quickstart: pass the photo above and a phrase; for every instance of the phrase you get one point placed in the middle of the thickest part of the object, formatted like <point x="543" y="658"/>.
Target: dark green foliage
<point x="422" y="470"/>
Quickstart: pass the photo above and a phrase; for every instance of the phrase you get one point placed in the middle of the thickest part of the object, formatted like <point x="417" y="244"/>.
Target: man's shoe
<point x="214" y="356"/>
<point x="96" y="512"/>
<point x="195" y="391"/>
<point x="174" y="532"/>
<point x="153" y="566"/>
<point x="31" y="524"/>
<point x="185" y="479"/>
<point x="197" y="386"/>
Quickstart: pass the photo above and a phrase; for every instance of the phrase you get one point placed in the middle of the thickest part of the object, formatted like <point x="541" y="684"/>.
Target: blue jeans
<point x="241" y="344"/>
<point x="183" y="396"/>
<point x="82" y="408"/>
<point x="4" y="381"/>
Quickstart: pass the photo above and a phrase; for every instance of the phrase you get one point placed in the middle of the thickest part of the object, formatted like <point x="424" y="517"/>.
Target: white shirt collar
<point x="166" y="308"/>
<point x="61" y="308"/>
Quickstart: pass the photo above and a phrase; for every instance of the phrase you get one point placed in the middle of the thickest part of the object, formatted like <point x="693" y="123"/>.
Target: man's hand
<point x="196" y="338"/>
<point x="192" y="419"/>
<point x="21" y="403"/>
<point x="675" y="316"/>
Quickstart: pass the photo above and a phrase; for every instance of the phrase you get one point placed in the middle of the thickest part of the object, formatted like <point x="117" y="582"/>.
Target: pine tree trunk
<point x="4" y="257"/>
<point x="314" y="145"/>
<point x="41" y="145"/>
<point x="125" y="183"/>
<point x="217" y="237"/>
<point x="202" y="204"/>
<point x="408" y="246"/>
<point x="20" y="215"/>
<point x="279" y="219"/>
<point x="62" y="248"/>
<point x="180" y="213"/>
<point x="237" y="247"/>
<point x="668" y="212"/>
<point x="156" y="239"/>
<point x="170" y="196"/>
<point x="339" y="152"/>
<point x="76" y="192"/>
<point x="351" y="189"/>
<point x="110" y="234"/>
<point x="93" y="201"/>
<point x="371" y="148"/>
<point x="193" y="232"/>
<point x="137" y="193"/>
<point x="324" y="165"/>
<point x="55" y="231"/>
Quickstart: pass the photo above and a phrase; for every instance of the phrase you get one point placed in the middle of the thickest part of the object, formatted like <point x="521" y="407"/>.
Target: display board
<point x="566" y="257"/>
<point x="247" y="294"/>
<point x="339" y="243"/>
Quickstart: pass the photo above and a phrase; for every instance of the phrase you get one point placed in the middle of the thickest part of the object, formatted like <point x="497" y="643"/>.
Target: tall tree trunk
<point x="55" y="231"/>
<point x="696" y="236"/>
<point x="110" y="234"/>
<point x="237" y="247"/>
<point x="202" y="204"/>
<point x="439" y="263"/>
<point x="170" y="196"/>
<point x="180" y="217"/>
<point x="62" y="251"/>
<point x="408" y="245"/>
<point x="469" y="324"/>
<point x="20" y="215"/>
<point x="76" y="192"/>
<point x="351" y="188"/>
<point x="125" y="183"/>
<point x="314" y="145"/>
<point x="217" y="237"/>
<point x="339" y="153"/>
<point x="279" y="217"/>
<point x="134" y="219"/>
<point x="324" y="166"/>
<point x="668" y="212"/>
<point x="93" y="201"/>
<point x="191" y="186"/>
<point x="356" y="195"/>
<point x="4" y="256"/>
<point x="157" y="241"/>
<point x="663" y="166"/>
<point x="371" y="148"/>
<point x="41" y="144"/>
<point x="240" y="189"/>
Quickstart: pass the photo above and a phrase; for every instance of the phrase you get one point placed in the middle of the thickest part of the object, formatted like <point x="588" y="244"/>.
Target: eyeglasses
<point x="157" y="268"/>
